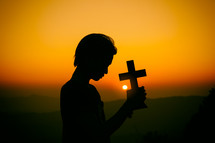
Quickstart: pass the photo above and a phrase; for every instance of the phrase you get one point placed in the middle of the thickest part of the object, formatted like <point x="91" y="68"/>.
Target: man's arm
<point x="100" y="133"/>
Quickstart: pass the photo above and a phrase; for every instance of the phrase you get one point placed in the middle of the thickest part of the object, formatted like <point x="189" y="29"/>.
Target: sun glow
<point x="124" y="87"/>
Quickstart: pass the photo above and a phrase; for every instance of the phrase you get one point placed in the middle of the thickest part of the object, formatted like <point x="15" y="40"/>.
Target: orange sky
<point x="172" y="39"/>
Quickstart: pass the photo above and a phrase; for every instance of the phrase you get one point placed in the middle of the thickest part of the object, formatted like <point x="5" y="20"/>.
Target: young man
<point x="81" y="107"/>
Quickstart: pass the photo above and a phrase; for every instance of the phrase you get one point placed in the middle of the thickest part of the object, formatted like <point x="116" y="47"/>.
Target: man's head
<point x="95" y="53"/>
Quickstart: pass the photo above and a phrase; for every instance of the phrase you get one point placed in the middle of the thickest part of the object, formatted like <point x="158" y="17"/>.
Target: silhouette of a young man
<point x="81" y="107"/>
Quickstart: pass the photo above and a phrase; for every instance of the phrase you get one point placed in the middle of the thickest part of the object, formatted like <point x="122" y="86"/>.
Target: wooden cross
<point x="132" y="75"/>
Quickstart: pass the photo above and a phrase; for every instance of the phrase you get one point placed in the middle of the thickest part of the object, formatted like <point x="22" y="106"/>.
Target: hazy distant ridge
<point x="41" y="104"/>
<point x="167" y="116"/>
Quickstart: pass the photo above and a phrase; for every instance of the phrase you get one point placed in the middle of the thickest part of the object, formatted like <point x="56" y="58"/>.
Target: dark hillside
<point x="37" y="119"/>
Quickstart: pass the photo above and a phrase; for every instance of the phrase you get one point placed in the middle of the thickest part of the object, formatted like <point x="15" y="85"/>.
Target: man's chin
<point x="97" y="78"/>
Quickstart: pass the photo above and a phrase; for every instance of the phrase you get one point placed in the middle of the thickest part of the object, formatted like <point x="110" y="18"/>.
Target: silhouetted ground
<point x="163" y="121"/>
<point x="31" y="127"/>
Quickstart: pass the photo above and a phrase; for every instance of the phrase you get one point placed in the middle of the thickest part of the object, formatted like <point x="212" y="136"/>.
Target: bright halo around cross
<point x="124" y="87"/>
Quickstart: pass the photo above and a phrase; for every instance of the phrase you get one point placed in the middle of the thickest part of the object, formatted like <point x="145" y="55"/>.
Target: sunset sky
<point x="174" y="40"/>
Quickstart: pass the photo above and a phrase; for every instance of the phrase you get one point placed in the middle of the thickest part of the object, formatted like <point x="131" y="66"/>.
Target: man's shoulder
<point x="68" y="84"/>
<point x="73" y="92"/>
<point x="71" y="86"/>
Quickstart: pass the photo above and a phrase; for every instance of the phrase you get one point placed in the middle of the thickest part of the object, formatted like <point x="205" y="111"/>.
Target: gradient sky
<point x="174" y="40"/>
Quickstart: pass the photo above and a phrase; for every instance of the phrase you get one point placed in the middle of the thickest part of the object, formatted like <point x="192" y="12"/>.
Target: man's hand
<point x="136" y="98"/>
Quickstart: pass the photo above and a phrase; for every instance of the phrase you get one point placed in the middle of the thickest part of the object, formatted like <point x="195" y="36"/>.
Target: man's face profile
<point x="99" y="67"/>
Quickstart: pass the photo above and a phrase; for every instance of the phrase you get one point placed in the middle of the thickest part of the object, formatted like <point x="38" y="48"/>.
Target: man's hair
<point x="94" y="46"/>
